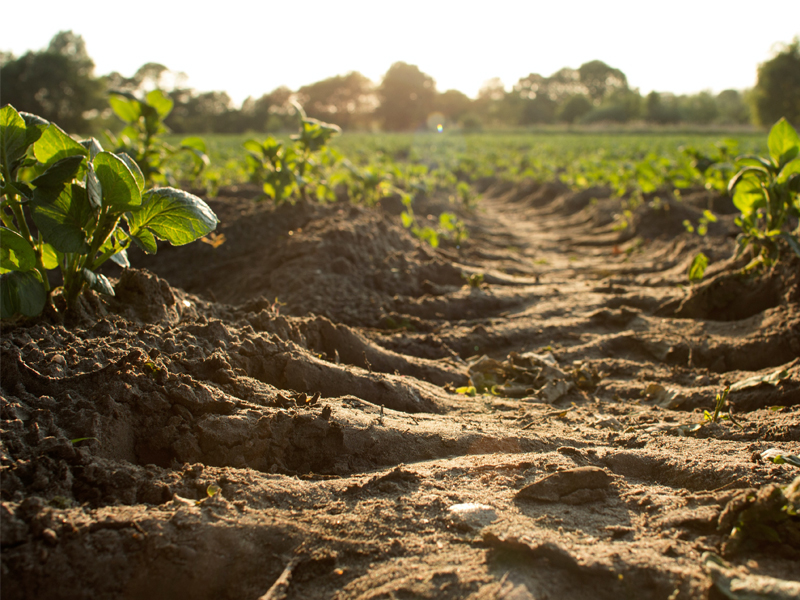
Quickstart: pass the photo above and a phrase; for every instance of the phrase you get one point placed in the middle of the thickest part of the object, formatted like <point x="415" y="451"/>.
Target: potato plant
<point x="141" y="139"/>
<point x="87" y="204"/>
<point x="284" y="170"/>
<point x="766" y="190"/>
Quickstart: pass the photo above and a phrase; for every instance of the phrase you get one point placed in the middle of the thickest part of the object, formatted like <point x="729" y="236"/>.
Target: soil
<point x="278" y="416"/>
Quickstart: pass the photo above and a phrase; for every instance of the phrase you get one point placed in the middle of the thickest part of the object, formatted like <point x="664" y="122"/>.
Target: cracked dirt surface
<point x="286" y="403"/>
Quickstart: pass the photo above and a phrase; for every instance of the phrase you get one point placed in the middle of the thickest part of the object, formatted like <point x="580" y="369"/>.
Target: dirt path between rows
<point x="277" y="416"/>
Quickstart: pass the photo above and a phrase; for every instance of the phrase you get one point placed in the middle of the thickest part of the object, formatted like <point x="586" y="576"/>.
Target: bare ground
<point x="278" y="415"/>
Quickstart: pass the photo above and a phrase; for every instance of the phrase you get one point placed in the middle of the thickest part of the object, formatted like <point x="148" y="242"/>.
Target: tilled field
<point x="278" y="416"/>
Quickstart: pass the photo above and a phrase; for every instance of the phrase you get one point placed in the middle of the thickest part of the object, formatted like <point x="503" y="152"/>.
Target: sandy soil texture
<point x="278" y="416"/>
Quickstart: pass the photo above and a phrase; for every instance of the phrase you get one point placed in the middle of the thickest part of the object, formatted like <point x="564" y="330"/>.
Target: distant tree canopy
<point x="345" y="100"/>
<point x="777" y="92"/>
<point x="59" y="84"/>
<point x="406" y="98"/>
<point x="56" y="83"/>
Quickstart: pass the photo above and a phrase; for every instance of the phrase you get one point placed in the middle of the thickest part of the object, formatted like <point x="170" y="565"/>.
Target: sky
<point x="249" y="48"/>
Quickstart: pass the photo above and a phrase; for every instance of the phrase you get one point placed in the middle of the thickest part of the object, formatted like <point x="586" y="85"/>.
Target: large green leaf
<point x="63" y="221"/>
<point x="21" y="292"/>
<point x="34" y="127"/>
<point x="161" y="102"/>
<point x="134" y="167"/>
<point x="127" y="109"/>
<point x="748" y="195"/>
<point x="789" y="169"/>
<point x="194" y="142"/>
<point x="120" y="190"/>
<point x="59" y="173"/>
<point x="55" y="145"/>
<point x="12" y="135"/>
<point x="16" y="254"/>
<point x="173" y="215"/>
<point x="783" y="142"/>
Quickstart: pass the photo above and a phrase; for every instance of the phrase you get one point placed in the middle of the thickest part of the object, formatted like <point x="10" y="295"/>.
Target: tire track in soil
<point x="338" y="440"/>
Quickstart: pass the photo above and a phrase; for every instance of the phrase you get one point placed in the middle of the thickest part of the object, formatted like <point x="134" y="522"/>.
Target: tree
<point x="345" y="100"/>
<point x="406" y="97"/>
<point x="57" y="83"/>
<point x="601" y="80"/>
<point x="453" y="105"/>
<point x="732" y="108"/>
<point x="777" y="92"/>
<point x="207" y="112"/>
<point x="494" y="105"/>
<point x="661" y="108"/>
<point x="574" y="108"/>
<point x="269" y="113"/>
<point x="699" y="109"/>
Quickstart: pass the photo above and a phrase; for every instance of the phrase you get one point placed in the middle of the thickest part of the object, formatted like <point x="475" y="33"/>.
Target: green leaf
<point x="35" y="127"/>
<point x="63" y="220"/>
<point x="748" y="195"/>
<point x="121" y="259"/>
<point x="134" y="167"/>
<point x="93" y="146"/>
<point x="60" y="173"/>
<point x="698" y="267"/>
<point x="254" y="147"/>
<point x="13" y="139"/>
<point x="173" y="215"/>
<point x="783" y="142"/>
<point x="161" y="102"/>
<point x="789" y="169"/>
<point x="146" y="241"/>
<point x="127" y="109"/>
<point x="98" y="282"/>
<point x="94" y="188"/>
<point x="16" y="254"/>
<point x="120" y="189"/>
<point x="21" y="292"/>
<point x="710" y="217"/>
<point x="195" y="143"/>
<point x="50" y="256"/>
<point x="55" y="145"/>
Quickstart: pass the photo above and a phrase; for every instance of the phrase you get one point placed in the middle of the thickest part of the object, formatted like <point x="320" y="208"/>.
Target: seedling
<point x="473" y="280"/>
<point x="721" y="399"/>
<point x="698" y="267"/>
<point x="79" y="197"/>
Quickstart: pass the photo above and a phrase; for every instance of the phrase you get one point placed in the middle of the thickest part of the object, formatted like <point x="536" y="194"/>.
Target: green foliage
<point x="766" y="192"/>
<point x="57" y="83"/>
<point x="79" y="198"/>
<point x="406" y="98"/>
<point x="698" y="267"/>
<point x="284" y="170"/>
<point x="778" y="88"/>
<point x="141" y="139"/>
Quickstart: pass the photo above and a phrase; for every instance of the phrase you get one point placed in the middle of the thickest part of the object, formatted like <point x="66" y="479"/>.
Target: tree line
<point x="59" y="84"/>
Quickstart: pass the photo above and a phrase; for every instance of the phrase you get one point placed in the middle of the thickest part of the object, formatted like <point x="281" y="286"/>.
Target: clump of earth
<point x="322" y="406"/>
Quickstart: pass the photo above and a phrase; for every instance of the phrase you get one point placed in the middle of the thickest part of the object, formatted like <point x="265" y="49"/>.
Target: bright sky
<point x="248" y="48"/>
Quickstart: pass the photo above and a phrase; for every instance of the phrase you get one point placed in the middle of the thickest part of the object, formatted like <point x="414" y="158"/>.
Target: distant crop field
<point x="627" y="162"/>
